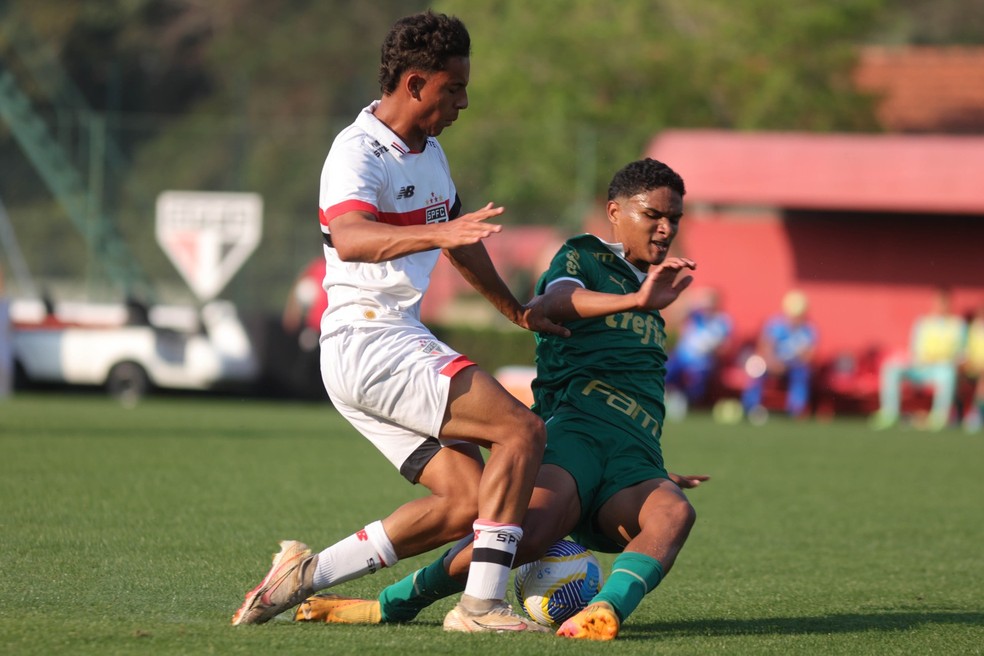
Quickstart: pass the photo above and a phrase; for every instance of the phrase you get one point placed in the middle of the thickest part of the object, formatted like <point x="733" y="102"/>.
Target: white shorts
<point x="391" y="381"/>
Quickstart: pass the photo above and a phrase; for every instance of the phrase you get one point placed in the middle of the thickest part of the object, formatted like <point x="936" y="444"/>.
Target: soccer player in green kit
<point x="602" y="479"/>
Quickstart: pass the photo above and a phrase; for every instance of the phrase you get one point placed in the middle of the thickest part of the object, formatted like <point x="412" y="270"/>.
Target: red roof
<point x="925" y="89"/>
<point x="941" y="174"/>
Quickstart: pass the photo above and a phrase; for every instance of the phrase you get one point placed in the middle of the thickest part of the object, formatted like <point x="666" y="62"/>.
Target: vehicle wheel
<point x="21" y="379"/>
<point x="128" y="382"/>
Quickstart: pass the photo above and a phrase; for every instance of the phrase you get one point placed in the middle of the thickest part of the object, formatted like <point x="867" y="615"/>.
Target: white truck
<point x="130" y="350"/>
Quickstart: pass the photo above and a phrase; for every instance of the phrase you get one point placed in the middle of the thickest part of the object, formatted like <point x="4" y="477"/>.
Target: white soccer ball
<point x="559" y="584"/>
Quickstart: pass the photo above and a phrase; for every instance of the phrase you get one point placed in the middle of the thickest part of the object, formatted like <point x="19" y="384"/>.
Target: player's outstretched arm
<point x="566" y="300"/>
<point x="475" y="266"/>
<point x="359" y="237"/>
<point x="661" y="286"/>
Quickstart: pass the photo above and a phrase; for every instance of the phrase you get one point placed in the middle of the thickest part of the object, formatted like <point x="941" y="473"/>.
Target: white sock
<point x="492" y="558"/>
<point x="359" y="554"/>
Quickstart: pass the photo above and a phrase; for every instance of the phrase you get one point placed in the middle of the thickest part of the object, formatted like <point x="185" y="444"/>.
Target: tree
<point x="246" y="95"/>
<point x="566" y="92"/>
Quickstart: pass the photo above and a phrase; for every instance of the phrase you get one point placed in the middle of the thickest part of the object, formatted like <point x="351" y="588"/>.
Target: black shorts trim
<point x="416" y="461"/>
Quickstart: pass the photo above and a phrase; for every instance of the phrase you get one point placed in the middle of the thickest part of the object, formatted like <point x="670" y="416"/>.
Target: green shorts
<point x="603" y="460"/>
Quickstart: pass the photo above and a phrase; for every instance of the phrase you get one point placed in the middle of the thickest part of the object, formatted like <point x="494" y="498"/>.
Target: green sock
<point x="633" y="575"/>
<point x="403" y="600"/>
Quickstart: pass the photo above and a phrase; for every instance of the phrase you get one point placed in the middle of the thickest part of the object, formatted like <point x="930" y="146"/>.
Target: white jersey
<point x="369" y="168"/>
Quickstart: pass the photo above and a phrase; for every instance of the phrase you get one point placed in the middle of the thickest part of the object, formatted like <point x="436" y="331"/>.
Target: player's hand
<point x="470" y="228"/>
<point x="661" y="287"/>
<point x="534" y="318"/>
<point x="689" y="481"/>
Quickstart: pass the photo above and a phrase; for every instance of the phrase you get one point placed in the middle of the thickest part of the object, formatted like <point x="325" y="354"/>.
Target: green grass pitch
<point x="137" y="531"/>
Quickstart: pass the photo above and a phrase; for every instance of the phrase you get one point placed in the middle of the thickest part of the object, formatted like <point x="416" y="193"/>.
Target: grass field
<point x="138" y="531"/>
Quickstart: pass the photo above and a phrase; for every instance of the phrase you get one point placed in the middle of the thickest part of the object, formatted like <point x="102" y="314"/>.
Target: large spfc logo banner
<point x="208" y="235"/>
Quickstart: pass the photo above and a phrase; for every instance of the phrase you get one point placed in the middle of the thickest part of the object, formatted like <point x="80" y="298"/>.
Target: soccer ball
<point x="559" y="584"/>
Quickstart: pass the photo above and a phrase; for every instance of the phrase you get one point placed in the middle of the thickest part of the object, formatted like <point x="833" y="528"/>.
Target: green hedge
<point x="490" y="348"/>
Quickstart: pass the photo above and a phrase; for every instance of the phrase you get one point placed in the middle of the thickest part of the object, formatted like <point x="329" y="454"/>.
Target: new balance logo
<point x="405" y="192"/>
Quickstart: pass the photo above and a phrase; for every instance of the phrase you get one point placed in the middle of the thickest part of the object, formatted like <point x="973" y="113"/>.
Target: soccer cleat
<point x="500" y="619"/>
<point x="597" y="621"/>
<point x="285" y="585"/>
<point x="336" y="609"/>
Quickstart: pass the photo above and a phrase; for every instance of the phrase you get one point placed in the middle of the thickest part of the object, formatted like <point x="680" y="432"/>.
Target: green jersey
<point x="610" y="367"/>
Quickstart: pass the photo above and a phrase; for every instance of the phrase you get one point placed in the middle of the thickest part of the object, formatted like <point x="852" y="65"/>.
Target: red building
<point x="869" y="226"/>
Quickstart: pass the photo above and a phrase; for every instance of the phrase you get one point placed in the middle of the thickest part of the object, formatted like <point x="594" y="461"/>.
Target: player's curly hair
<point x="424" y="42"/>
<point x="644" y="175"/>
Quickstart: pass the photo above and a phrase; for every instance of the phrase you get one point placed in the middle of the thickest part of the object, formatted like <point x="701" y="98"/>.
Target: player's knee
<point x="673" y="514"/>
<point x="525" y="433"/>
<point x="682" y="514"/>
<point x="534" y="434"/>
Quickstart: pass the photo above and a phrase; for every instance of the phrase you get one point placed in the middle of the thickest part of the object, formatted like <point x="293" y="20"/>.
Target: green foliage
<point x="490" y="348"/>
<point x="247" y="95"/>
<point x="563" y="93"/>
<point x="135" y="531"/>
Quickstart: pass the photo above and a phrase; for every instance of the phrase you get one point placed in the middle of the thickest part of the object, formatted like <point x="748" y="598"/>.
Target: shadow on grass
<point x="843" y="623"/>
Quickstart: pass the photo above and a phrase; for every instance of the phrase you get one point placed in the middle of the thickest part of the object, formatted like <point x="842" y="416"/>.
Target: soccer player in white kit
<point x="388" y="206"/>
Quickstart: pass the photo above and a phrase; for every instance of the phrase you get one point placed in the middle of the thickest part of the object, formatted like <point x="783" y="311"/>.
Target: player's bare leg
<point x="553" y="513"/>
<point x="481" y="411"/>
<point x="453" y="477"/>
<point x="653" y="520"/>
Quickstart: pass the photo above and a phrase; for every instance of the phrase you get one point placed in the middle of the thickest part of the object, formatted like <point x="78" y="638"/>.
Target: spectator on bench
<point x="694" y="359"/>
<point x="785" y="348"/>
<point x="973" y="368"/>
<point x="935" y="353"/>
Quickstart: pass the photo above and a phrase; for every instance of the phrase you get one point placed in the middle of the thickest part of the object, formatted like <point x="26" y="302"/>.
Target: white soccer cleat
<point x="500" y="619"/>
<point x="288" y="582"/>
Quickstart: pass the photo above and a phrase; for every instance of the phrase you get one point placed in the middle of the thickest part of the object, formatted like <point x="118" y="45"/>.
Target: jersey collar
<point x="380" y="132"/>
<point x="619" y="250"/>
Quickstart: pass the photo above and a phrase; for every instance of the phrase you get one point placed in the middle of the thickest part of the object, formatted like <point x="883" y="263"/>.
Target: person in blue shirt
<point x="785" y="348"/>
<point x="704" y="333"/>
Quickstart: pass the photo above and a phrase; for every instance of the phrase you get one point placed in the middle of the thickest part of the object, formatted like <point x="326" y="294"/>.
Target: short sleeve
<point x="352" y="177"/>
<point x="569" y="263"/>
